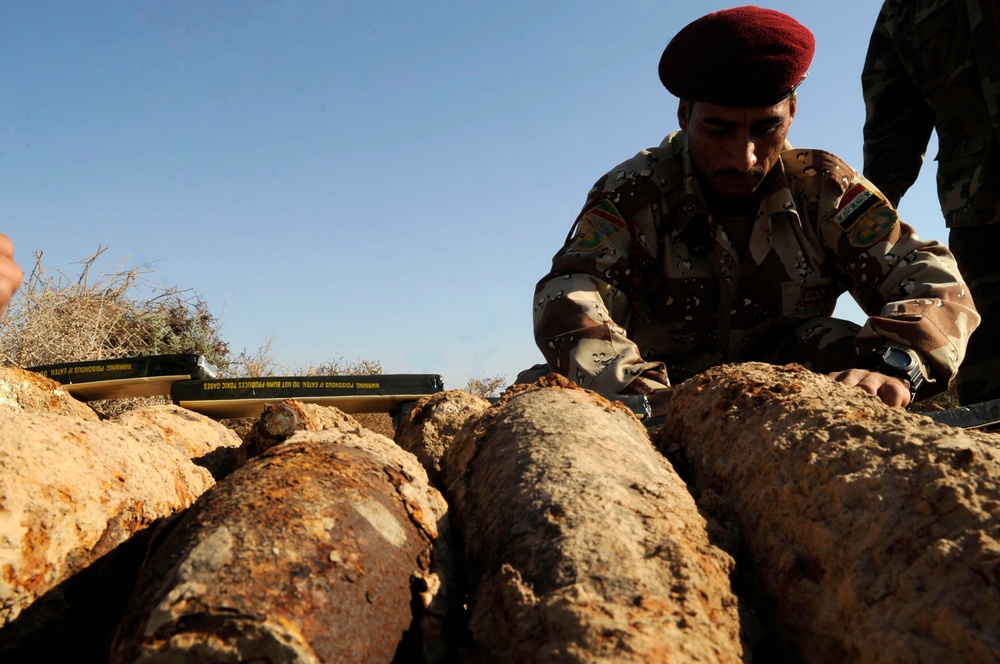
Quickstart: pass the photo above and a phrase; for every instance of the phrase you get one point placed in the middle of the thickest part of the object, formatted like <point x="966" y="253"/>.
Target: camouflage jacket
<point x="649" y="288"/>
<point x="933" y="65"/>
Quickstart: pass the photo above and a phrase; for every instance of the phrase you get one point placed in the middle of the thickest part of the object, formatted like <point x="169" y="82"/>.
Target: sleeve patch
<point x="853" y="204"/>
<point x="872" y="226"/>
<point x="598" y="224"/>
<point x="865" y="216"/>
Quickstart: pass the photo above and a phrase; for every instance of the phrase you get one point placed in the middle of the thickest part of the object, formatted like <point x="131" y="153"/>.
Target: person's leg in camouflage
<point x="975" y="249"/>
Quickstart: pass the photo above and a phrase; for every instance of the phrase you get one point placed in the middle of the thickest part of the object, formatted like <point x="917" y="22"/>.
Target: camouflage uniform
<point x="933" y="65"/>
<point x="650" y="288"/>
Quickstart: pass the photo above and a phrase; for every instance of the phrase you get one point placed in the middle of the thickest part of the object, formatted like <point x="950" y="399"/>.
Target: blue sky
<point x="359" y="180"/>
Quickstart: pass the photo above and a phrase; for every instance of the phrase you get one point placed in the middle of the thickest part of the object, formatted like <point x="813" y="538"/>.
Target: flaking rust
<point x="566" y="555"/>
<point x="324" y="547"/>
<point x="872" y="531"/>
<point x="282" y="420"/>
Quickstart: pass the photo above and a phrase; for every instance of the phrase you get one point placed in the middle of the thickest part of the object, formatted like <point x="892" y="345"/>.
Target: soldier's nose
<point x="743" y="156"/>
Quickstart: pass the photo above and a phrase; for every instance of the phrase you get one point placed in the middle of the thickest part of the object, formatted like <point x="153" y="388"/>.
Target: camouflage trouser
<point x="821" y="344"/>
<point x="975" y="249"/>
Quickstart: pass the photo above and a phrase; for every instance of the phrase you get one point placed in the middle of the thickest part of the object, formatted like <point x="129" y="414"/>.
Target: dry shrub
<point x="486" y="387"/>
<point x="258" y="364"/>
<point x="104" y="314"/>
<point x="341" y="367"/>
<point x="56" y="318"/>
<point x="99" y="315"/>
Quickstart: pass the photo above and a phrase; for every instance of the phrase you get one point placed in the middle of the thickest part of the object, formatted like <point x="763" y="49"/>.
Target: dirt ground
<point x="378" y="422"/>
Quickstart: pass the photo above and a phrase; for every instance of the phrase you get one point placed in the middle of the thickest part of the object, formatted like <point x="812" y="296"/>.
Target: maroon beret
<point x="744" y="56"/>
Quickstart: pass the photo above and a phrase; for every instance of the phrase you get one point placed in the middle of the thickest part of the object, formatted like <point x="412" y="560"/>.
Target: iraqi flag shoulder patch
<point x="864" y="215"/>
<point x="855" y="202"/>
<point x="598" y="224"/>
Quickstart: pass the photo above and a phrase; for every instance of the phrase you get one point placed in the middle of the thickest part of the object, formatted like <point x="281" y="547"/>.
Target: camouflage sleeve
<point x="898" y="123"/>
<point x="583" y="305"/>
<point x="910" y="288"/>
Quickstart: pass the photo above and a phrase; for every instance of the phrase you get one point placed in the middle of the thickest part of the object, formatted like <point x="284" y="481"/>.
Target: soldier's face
<point x="734" y="148"/>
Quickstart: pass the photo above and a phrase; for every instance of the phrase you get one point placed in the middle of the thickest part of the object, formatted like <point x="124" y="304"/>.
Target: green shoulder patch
<point x="872" y="226"/>
<point x="597" y="225"/>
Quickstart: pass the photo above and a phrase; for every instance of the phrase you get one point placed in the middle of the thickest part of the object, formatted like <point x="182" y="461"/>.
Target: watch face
<point x="897" y="358"/>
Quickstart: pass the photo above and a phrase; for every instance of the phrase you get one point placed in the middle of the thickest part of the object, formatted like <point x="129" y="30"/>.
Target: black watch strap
<point x="898" y="362"/>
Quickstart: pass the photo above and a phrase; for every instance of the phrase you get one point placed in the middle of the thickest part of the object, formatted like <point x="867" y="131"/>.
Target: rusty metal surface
<point x="309" y="545"/>
<point x="580" y="542"/>
<point x="872" y="531"/>
<point x="282" y="420"/>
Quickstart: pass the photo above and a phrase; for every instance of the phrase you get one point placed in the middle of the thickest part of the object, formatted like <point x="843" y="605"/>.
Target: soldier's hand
<point x="11" y="274"/>
<point x="659" y="401"/>
<point x="891" y="391"/>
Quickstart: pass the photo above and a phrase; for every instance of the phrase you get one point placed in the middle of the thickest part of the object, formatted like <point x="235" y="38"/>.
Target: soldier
<point x="11" y="274"/>
<point x="724" y="244"/>
<point x="933" y="65"/>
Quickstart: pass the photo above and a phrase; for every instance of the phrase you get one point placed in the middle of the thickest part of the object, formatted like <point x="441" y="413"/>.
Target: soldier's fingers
<point x="11" y="276"/>
<point x="852" y="378"/>
<point x="6" y="246"/>
<point x="891" y="391"/>
<point x="894" y="392"/>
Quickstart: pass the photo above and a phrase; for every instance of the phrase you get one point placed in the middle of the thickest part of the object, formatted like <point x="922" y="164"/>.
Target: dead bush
<point x="98" y="314"/>
<point x="486" y="387"/>
<point x="102" y="314"/>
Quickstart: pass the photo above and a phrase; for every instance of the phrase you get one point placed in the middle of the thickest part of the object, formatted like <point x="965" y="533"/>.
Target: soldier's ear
<point x="792" y="103"/>
<point x="683" y="113"/>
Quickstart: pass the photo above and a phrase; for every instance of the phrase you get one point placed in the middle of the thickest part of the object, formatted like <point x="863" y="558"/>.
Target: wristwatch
<point x="898" y="362"/>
